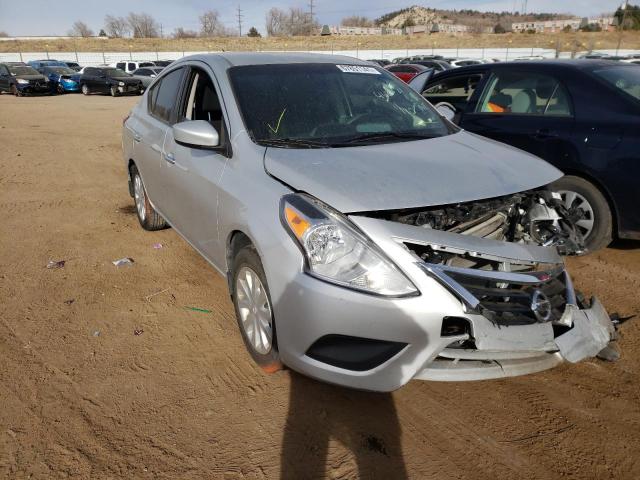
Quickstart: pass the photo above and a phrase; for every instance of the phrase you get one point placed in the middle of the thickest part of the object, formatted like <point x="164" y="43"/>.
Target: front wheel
<point x="596" y="224"/>
<point x="147" y="216"/>
<point x="254" y="311"/>
<point x="15" y="90"/>
<point x="60" y="89"/>
<point x="114" y="91"/>
<point x="85" y="89"/>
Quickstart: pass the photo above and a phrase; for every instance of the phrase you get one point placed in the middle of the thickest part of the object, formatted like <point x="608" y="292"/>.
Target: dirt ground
<point x="103" y="377"/>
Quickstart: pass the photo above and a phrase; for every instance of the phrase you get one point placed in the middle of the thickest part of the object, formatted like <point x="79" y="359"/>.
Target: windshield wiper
<point x="293" y="142"/>
<point x="384" y="135"/>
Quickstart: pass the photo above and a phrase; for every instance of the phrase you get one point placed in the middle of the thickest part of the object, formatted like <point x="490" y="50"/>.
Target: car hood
<point x="30" y="77"/>
<point x="455" y="168"/>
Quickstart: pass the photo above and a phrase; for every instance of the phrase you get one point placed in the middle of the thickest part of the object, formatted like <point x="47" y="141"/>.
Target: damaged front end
<point x="501" y="259"/>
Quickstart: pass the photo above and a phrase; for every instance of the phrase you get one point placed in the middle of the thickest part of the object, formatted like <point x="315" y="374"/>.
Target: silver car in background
<point x="366" y="240"/>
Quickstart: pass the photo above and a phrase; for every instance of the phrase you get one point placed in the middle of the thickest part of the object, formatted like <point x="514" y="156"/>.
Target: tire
<point x="114" y="91"/>
<point x="254" y="311"/>
<point x="15" y="90"/>
<point x="85" y="89"/>
<point x="60" y="90"/>
<point x="579" y="193"/>
<point x="147" y="216"/>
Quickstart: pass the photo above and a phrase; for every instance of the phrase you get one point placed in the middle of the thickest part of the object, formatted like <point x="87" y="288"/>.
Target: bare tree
<point x="356" y="21"/>
<point x="3" y="34"/>
<point x="294" y="22"/>
<point x="116" y="27"/>
<point x="142" y="25"/>
<point x="182" y="33"/>
<point x="80" y="29"/>
<point x="210" y="24"/>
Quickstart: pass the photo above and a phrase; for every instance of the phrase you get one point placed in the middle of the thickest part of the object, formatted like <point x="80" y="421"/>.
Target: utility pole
<point x="310" y="16"/>
<point x="161" y="32"/>
<point x="239" y="21"/>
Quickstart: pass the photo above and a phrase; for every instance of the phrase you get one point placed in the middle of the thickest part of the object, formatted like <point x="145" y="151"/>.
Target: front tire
<point x="597" y="224"/>
<point x="114" y="91"/>
<point x="15" y="90"/>
<point x="85" y="89"/>
<point x="147" y="216"/>
<point x="254" y="311"/>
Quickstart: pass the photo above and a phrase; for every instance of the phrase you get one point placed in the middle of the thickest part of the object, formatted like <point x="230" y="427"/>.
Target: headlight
<point x="121" y="84"/>
<point x="337" y="252"/>
<point x="22" y="81"/>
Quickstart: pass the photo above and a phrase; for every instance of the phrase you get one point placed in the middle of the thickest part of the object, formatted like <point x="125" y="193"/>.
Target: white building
<point x="437" y="28"/>
<point x="344" y="30"/>
<point x="555" y="26"/>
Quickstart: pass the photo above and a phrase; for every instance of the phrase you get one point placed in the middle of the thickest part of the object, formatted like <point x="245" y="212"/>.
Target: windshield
<point x="18" y="70"/>
<point x="330" y="105"/>
<point x="60" y="70"/>
<point x="115" y="72"/>
<point x="626" y="79"/>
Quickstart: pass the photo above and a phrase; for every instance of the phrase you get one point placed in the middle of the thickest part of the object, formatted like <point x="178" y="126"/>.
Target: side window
<point x="120" y="65"/>
<point x="132" y="66"/>
<point x="89" y="71"/>
<point x="4" y="70"/>
<point x="164" y="95"/>
<point x="454" y="90"/>
<point x="202" y="102"/>
<point x="525" y="93"/>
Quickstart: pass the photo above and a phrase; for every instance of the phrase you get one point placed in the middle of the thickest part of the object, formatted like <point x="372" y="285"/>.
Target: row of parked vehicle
<point x="47" y="77"/>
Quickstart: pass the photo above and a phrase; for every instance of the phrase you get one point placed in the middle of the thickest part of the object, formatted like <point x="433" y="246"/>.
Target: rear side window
<point x="625" y="79"/>
<point x="163" y="96"/>
<point x="525" y="93"/>
<point x="454" y="90"/>
<point x="120" y="65"/>
<point x="132" y="66"/>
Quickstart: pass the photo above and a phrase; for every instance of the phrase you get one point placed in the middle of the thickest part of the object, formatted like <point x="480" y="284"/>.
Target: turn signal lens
<point x="297" y="224"/>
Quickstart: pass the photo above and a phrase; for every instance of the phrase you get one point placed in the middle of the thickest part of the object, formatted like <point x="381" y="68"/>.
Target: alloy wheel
<point x="139" y="196"/>
<point x="574" y="201"/>
<point x="254" y="309"/>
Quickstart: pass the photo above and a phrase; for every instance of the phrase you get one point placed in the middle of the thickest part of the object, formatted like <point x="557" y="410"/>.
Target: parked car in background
<point x="436" y="65"/>
<point x="131" y="66"/>
<point x="405" y="71"/>
<point x="75" y="66"/>
<point x="380" y="62"/>
<point x="62" y="79"/>
<point x="147" y="74"/>
<point x="162" y="63"/>
<point x="22" y="80"/>
<point x="581" y="116"/>
<point x="109" y="80"/>
<point x="465" y="62"/>
<point x="40" y="64"/>
<point x="365" y="240"/>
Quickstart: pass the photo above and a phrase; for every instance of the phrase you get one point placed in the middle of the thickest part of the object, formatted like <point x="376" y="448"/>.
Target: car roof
<point x="562" y="63"/>
<point x="234" y="59"/>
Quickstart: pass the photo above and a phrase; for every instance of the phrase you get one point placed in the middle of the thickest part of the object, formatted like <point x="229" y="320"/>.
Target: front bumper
<point x="310" y="312"/>
<point x="32" y="89"/>
<point x="70" y="86"/>
<point x="130" y="89"/>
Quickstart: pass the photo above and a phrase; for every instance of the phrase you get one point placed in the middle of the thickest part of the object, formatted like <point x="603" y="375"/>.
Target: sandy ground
<point x="83" y="396"/>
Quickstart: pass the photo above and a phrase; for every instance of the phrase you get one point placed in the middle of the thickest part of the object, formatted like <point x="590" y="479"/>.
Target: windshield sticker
<point x="358" y="69"/>
<point x="275" y="130"/>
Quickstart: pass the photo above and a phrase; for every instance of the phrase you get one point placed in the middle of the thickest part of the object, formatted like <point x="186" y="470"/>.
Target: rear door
<point x="193" y="175"/>
<point x="154" y="120"/>
<point x="527" y="109"/>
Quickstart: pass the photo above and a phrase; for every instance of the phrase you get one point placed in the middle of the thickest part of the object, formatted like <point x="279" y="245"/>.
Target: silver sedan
<point x="147" y="75"/>
<point x="366" y="240"/>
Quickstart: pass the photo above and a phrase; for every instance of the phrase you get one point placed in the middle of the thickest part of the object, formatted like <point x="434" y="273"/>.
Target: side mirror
<point x="196" y="134"/>
<point x="446" y="110"/>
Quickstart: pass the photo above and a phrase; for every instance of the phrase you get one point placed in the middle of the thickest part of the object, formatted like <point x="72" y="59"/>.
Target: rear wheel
<point x="253" y="307"/>
<point x="596" y="224"/>
<point x="147" y="216"/>
<point x="85" y="89"/>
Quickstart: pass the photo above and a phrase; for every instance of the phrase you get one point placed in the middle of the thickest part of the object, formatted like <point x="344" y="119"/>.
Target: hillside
<point x="417" y="15"/>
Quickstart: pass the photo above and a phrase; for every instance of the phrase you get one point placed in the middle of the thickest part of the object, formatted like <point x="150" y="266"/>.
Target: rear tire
<point x="254" y="311"/>
<point x="85" y="89"/>
<point x="597" y="226"/>
<point x="147" y="216"/>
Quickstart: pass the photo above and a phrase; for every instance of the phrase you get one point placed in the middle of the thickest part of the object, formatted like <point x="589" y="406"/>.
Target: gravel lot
<point x="100" y="378"/>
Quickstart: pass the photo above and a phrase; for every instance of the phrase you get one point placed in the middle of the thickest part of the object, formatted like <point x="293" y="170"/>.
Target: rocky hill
<point x="417" y="15"/>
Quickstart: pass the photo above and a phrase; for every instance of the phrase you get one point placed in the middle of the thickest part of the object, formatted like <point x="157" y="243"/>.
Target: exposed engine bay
<point x="536" y="217"/>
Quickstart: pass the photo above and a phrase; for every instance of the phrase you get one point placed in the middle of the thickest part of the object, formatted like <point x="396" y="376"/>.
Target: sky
<point x="48" y="17"/>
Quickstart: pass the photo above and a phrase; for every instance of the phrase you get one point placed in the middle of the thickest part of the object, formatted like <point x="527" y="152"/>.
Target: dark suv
<point x="108" y="80"/>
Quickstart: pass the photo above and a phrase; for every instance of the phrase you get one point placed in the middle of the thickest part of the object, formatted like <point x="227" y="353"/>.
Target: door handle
<point x="545" y="133"/>
<point x="169" y="158"/>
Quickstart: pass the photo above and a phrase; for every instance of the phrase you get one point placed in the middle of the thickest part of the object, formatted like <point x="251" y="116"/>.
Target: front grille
<point x="517" y="303"/>
<point x="508" y="298"/>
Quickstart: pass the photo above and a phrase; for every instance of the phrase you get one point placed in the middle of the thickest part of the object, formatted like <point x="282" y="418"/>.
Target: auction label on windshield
<point x="358" y="69"/>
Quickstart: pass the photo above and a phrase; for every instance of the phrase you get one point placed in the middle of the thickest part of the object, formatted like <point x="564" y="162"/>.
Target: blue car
<point x="62" y="79"/>
<point x="39" y="65"/>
